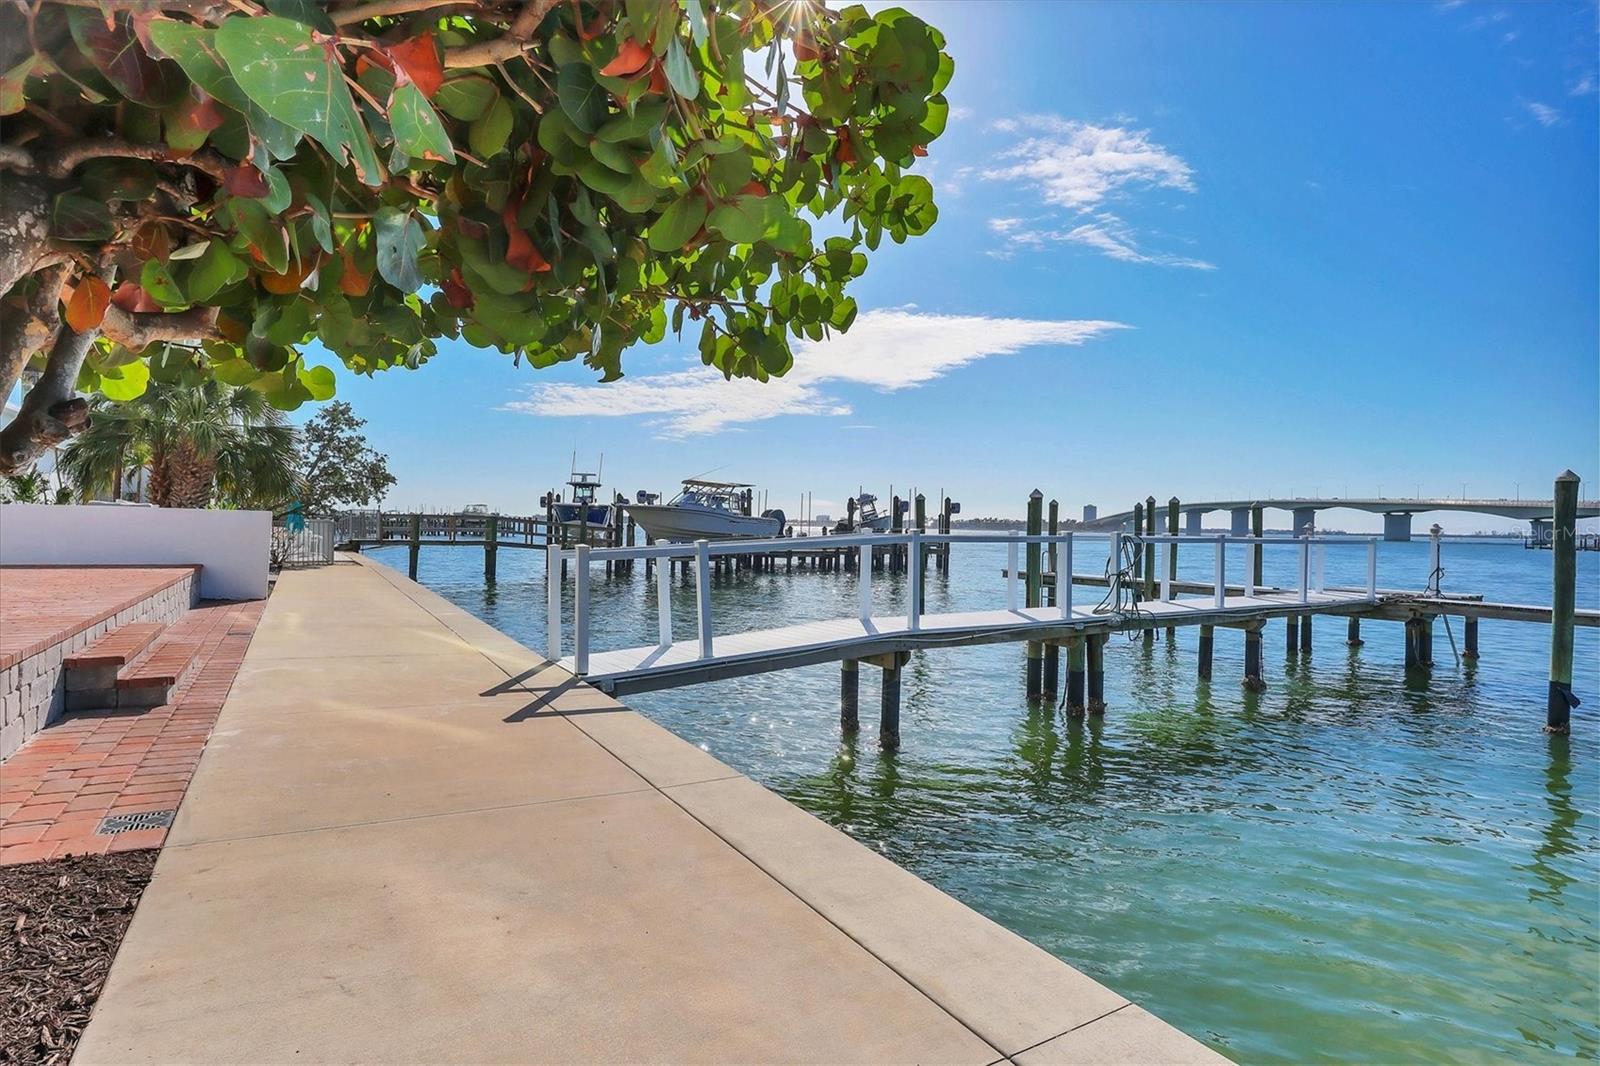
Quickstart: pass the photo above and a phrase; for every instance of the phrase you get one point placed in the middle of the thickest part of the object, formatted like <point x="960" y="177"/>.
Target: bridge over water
<point x="1397" y="512"/>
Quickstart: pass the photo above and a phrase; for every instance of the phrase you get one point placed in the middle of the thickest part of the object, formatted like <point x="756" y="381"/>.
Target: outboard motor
<point x="777" y="513"/>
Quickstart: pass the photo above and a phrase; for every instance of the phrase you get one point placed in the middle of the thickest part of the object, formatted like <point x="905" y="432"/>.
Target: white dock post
<point x="702" y="594"/>
<point x="1166" y="573"/>
<point x="864" y="585"/>
<point x="1372" y="570"/>
<point x="552" y="596"/>
<point x="914" y="586"/>
<point x="1064" y="578"/>
<point x="1114" y="566"/>
<point x="1222" y="571"/>
<point x="1249" y="573"/>
<point x="1305" y="571"/>
<point x="580" y="611"/>
<point x="1011" y="573"/>
<point x="664" y="601"/>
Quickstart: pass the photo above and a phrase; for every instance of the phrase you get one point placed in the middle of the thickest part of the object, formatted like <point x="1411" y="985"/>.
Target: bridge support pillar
<point x="1397" y="527"/>
<point x="1192" y="522"/>
<point x="1207" y="639"/>
<point x="1352" y="633"/>
<point x="850" y="695"/>
<point x="1540" y="530"/>
<point x="1095" y="687"/>
<point x="1470" y="640"/>
<point x="1077" y="659"/>
<point x="1305" y="634"/>
<point x="1305" y="521"/>
<point x="1240" y="526"/>
<point x="1252" y="659"/>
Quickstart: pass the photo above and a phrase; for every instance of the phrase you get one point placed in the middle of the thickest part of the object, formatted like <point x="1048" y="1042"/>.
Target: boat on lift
<point x="584" y="510"/>
<point x="705" y="510"/>
<point x="868" y="520"/>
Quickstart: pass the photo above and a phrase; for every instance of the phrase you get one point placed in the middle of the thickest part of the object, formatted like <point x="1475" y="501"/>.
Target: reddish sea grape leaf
<point x="631" y="59"/>
<point x="419" y="58"/>
<point x="87" y="305"/>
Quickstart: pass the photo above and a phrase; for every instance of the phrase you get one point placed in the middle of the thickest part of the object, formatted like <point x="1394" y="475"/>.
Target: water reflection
<point x="1401" y="856"/>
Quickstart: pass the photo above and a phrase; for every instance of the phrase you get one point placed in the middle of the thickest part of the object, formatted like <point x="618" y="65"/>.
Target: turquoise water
<point x="1351" y="865"/>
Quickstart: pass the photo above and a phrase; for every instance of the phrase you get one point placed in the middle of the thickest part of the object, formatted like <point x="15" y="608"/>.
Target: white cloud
<point x="1583" y="86"/>
<point x="1077" y="167"/>
<point x="1077" y="164"/>
<point x="1104" y="232"/>
<point x="888" y="350"/>
<point x="1543" y="114"/>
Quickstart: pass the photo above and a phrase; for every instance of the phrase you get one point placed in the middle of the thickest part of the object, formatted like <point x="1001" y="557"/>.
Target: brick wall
<point x="32" y="691"/>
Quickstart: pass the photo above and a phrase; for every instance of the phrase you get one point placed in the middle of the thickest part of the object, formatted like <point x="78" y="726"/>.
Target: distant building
<point x="1090" y="512"/>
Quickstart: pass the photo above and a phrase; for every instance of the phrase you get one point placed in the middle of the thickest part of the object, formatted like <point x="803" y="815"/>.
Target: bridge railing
<point x="702" y="552"/>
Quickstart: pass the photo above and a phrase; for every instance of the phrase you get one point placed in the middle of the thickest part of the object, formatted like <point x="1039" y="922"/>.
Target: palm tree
<point x="199" y="442"/>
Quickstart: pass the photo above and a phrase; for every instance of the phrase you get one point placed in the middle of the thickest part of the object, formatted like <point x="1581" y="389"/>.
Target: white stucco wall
<point x="230" y="546"/>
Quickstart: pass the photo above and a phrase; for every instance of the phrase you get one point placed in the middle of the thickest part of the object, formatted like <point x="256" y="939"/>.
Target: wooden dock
<point x="658" y="666"/>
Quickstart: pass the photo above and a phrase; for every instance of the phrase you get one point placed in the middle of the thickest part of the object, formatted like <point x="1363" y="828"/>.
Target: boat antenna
<point x="703" y="473"/>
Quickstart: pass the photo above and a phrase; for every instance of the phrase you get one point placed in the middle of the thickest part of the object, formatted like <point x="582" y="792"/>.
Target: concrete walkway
<point x="410" y="838"/>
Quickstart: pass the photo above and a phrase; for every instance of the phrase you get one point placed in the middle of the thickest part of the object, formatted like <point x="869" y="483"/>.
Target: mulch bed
<point x="60" y="924"/>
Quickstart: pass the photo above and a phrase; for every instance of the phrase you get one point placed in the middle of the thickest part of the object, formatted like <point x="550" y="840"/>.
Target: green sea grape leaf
<point x="297" y="80"/>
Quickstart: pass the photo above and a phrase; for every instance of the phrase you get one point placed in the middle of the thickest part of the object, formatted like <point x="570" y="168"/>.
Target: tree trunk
<point x="191" y="478"/>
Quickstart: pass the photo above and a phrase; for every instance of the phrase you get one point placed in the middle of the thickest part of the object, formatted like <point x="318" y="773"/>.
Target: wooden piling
<point x="1138" y="556"/>
<point x="1253" y="680"/>
<point x="889" y="705"/>
<point x="1035" y="653"/>
<point x="1149" y="562"/>
<point x="1305" y="634"/>
<point x="1352" y="633"/>
<point x="1411" y="644"/>
<point x="920" y="511"/>
<point x="850" y="695"/>
<point x="1563" y="603"/>
<point x="491" y="545"/>
<point x="1077" y="656"/>
<point x="1469" y="649"/>
<point x="416" y="545"/>
<point x="944" y="527"/>
<point x="1095" y="688"/>
<point x="1172" y="551"/>
<point x="1052" y="651"/>
<point x="896" y="525"/>
<point x="1207" y="638"/>
<point x="1291" y="644"/>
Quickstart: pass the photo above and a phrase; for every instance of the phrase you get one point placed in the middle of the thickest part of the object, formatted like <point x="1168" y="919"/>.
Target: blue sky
<point x="1205" y="250"/>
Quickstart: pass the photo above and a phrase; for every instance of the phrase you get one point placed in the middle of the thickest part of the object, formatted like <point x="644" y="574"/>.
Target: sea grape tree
<point x="198" y="189"/>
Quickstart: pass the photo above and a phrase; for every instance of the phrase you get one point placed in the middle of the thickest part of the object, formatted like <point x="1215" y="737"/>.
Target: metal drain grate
<point x="127" y="823"/>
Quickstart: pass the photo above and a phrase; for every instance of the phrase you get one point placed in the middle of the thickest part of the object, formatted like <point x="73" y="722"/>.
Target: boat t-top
<point x="585" y="508"/>
<point x="705" y="510"/>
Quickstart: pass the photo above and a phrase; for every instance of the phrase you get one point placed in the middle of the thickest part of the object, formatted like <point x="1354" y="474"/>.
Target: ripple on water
<point x="1352" y="865"/>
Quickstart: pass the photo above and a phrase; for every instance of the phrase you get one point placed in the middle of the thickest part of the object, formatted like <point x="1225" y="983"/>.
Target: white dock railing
<point x="1311" y="572"/>
<point x="1312" y="558"/>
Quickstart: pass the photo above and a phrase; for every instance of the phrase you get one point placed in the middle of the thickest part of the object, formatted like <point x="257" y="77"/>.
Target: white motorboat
<point x="868" y="520"/>
<point x="705" y="510"/>
<point x="584" y="511"/>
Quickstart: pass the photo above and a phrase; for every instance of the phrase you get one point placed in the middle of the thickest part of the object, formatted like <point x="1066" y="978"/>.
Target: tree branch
<point x="52" y="412"/>
<point x="378" y="8"/>
<point x="64" y="162"/>
<point x="26" y="330"/>
<point x="512" y="44"/>
<point x="136" y="331"/>
<point x="15" y="157"/>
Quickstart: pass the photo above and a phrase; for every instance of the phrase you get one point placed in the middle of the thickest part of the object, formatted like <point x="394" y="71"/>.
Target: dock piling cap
<point x="1035" y="495"/>
<point x="1567" y="475"/>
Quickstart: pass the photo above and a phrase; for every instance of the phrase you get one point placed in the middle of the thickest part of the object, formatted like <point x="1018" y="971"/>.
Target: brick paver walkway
<point x="42" y="605"/>
<point x="58" y="787"/>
